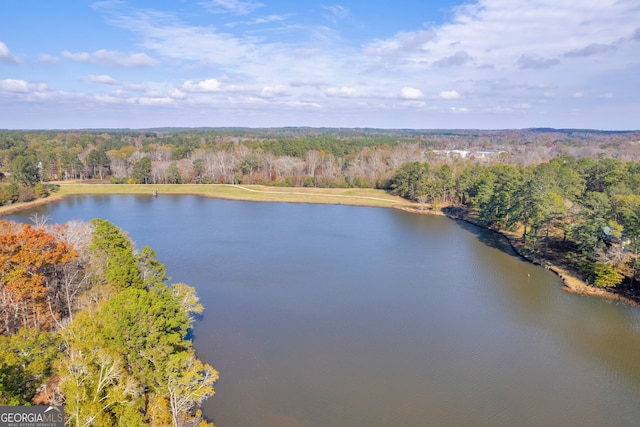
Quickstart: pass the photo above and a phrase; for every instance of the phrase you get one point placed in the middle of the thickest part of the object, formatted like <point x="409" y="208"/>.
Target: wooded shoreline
<point x="352" y="196"/>
<point x="571" y="282"/>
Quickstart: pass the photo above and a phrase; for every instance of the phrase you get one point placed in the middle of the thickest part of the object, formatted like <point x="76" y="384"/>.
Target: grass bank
<point x="255" y="193"/>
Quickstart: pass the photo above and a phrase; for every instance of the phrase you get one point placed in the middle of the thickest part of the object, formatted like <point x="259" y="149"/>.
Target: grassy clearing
<point x="261" y="193"/>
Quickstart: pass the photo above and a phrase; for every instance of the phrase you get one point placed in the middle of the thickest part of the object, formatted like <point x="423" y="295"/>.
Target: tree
<point x="588" y="233"/>
<point x="496" y="195"/>
<point x="198" y="170"/>
<point x="627" y="209"/>
<point x="133" y="357"/>
<point x="249" y="165"/>
<point x="98" y="161"/>
<point x="28" y="260"/>
<point x="75" y="276"/>
<point x="98" y="389"/>
<point x="187" y="296"/>
<point x="24" y="170"/>
<point x="445" y="181"/>
<point x="188" y="383"/>
<point x="116" y="250"/>
<point x="154" y="272"/>
<point x="71" y="165"/>
<point x="26" y="361"/>
<point x="408" y="180"/>
<point x="552" y="208"/>
<point x="606" y="275"/>
<point x="465" y="183"/>
<point x="141" y="171"/>
<point x="147" y="327"/>
<point x="173" y="174"/>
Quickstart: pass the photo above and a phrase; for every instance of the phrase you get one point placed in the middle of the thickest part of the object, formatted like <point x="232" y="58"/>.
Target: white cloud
<point x="244" y="58"/>
<point x="335" y="13"/>
<point x="401" y="43"/>
<point x="457" y="59"/>
<point x="210" y="85"/>
<point x="178" y="94"/>
<point x="528" y="61"/>
<point x="76" y="57"/>
<point x="412" y="104"/>
<point x="518" y="34"/>
<point x="341" y="92"/>
<point x="235" y="7"/>
<point x="607" y="95"/>
<point x="411" y="93"/>
<point x="108" y="99"/>
<point x="154" y="101"/>
<point x="5" y="54"/>
<point x="170" y="38"/>
<point x="259" y="20"/>
<point x="272" y="91"/>
<point x="21" y="86"/>
<point x="48" y="59"/>
<point x="515" y="57"/>
<point x="103" y="79"/>
<point x="449" y="94"/>
<point x="592" y="49"/>
<point x="116" y="58"/>
<point x="109" y="57"/>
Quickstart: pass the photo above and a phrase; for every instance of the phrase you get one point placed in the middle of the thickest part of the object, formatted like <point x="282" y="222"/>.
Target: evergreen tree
<point x="116" y="250"/>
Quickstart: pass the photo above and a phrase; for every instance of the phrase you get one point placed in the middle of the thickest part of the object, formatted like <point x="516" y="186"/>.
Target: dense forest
<point x="88" y="322"/>
<point x="284" y="156"/>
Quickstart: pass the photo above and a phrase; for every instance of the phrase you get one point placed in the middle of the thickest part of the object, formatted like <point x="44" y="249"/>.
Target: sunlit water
<point x="319" y="315"/>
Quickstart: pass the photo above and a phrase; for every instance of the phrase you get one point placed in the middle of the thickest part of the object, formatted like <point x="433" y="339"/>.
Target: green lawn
<point x="346" y="196"/>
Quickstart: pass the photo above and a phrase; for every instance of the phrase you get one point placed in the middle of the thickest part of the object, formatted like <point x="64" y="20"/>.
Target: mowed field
<point x="257" y="193"/>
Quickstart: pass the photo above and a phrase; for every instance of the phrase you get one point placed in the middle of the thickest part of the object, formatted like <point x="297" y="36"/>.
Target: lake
<point x="323" y="315"/>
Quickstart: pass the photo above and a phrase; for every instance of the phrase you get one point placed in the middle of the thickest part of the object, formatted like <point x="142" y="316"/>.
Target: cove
<point x="325" y="315"/>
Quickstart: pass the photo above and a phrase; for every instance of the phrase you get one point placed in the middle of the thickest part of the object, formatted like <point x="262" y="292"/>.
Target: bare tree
<point x="313" y="160"/>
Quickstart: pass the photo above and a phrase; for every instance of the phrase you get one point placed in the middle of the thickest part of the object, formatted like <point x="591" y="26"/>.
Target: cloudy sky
<point x="488" y="64"/>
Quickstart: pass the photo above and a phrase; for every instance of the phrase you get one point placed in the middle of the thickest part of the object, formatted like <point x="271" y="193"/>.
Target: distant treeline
<point x="281" y="156"/>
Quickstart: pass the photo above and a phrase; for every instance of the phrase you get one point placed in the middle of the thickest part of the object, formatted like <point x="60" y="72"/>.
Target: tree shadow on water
<point x="491" y="238"/>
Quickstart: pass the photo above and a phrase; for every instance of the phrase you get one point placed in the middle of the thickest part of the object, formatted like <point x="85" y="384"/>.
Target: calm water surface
<point x="319" y="315"/>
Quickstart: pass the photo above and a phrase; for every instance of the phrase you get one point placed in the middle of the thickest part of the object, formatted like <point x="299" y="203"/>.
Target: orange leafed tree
<point x="28" y="261"/>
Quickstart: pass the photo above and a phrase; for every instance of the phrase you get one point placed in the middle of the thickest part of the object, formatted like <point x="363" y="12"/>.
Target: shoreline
<point x="571" y="283"/>
<point x="21" y="206"/>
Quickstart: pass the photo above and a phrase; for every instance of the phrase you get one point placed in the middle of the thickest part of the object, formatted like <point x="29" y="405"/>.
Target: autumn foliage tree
<point x="29" y="258"/>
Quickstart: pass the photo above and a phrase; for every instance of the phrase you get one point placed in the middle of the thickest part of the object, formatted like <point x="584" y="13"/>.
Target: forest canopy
<point x="91" y="323"/>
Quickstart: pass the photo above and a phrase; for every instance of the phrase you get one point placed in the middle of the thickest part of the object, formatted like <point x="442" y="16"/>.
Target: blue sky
<point x="489" y="64"/>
